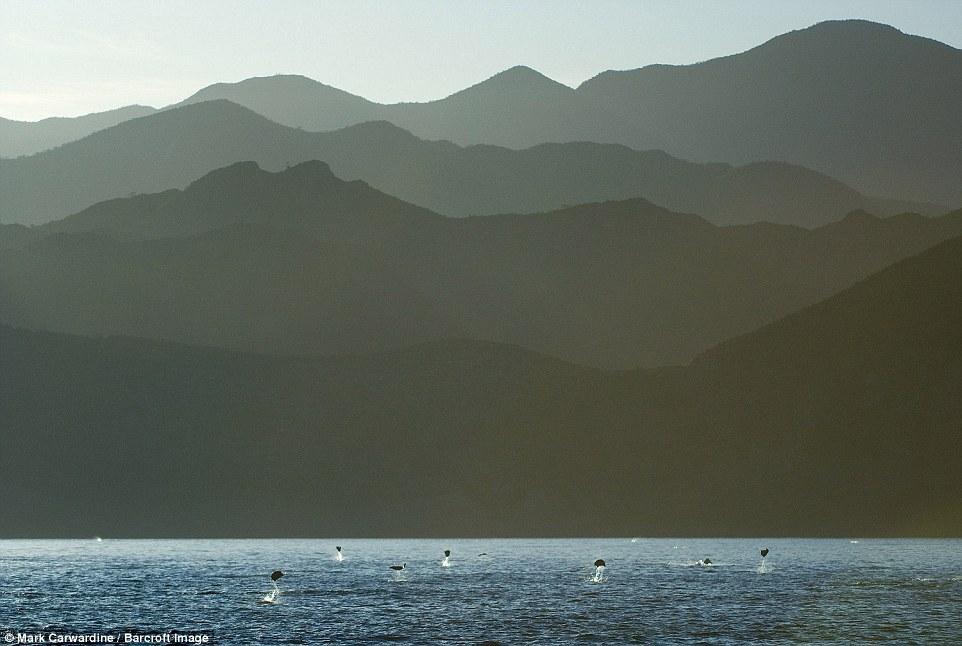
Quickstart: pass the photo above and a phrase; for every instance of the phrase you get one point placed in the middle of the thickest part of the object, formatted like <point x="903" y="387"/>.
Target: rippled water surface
<point x="521" y="592"/>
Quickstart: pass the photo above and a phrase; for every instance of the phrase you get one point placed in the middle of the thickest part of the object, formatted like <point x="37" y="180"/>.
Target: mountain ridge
<point x="859" y="101"/>
<point x="299" y="261"/>
<point x="482" y="440"/>
<point x="172" y="148"/>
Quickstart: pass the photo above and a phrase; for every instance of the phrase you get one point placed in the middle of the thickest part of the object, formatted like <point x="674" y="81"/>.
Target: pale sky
<point x="64" y="58"/>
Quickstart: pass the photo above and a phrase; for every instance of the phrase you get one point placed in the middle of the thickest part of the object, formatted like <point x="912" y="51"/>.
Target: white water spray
<point x="271" y="596"/>
<point x="398" y="571"/>
<point x="599" y="575"/>
<point x="763" y="567"/>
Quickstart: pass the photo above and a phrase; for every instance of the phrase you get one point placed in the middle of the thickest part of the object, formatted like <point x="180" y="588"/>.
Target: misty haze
<point x="650" y="356"/>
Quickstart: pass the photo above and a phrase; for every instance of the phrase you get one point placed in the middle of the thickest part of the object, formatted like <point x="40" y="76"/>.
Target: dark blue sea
<point x="518" y="592"/>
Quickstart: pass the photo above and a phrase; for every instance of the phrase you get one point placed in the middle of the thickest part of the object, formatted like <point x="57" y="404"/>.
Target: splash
<point x="338" y="556"/>
<point x="447" y="559"/>
<point x="763" y="564"/>
<point x="599" y="575"/>
<point x="398" y="571"/>
<point x="271" y="597"/>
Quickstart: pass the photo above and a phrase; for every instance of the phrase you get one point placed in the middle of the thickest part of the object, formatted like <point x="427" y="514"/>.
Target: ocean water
<point x="520" y="592"/>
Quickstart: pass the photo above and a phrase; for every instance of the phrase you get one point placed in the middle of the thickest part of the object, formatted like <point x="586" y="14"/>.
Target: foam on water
<point x="697" y="563"/>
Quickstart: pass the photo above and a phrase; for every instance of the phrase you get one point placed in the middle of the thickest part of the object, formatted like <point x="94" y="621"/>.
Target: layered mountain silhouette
<point x="841" y="419"/>
<point x="852" y="99"/>
<point x="172" y="148"/>
<point x="301" y="262"/>
<point x="855" y="100"/>
<point x="277" y="308"/>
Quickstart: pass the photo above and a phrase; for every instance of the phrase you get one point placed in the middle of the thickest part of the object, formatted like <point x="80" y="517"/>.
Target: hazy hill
<point x="859" y="101"/>
<point x="172" y="148"/>
<point x="28" y="137"/>
<point x="517" y="108"/>
<point x="842" y="419"/>
<point x="305" y="196"/>
<point x="293" y="100"/>
<point x="302" y="262"/>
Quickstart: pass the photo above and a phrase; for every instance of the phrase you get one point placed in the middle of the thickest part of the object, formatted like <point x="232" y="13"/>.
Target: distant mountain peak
<point x="844" y="33"/>
<point x="524" y="74"/>
<point x="294" y="78"/>
<point x="841" y="31"/>
<point x="521" y="72"/>
<point x="298" y="79"/>
<point x="287" y="81"/>
<point x="515" y="79"/>
<point x="852" y="25"/>
<point x="827" y="34"/>
<point x="267" y="90"/>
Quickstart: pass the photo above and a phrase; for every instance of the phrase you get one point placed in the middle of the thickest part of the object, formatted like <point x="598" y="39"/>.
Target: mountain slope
<point x="19" y="138"/>
<point x="840" y="420"/>
<point x="302" y="262"/>
<point x="859" y="101"/>
<point x="172" y="148"/>
<point x="846" y="408"/>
